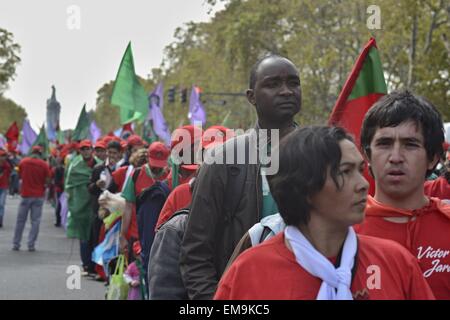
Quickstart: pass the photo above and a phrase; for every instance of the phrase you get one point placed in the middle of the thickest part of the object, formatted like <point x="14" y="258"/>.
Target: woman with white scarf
<point x="321" y="192"/>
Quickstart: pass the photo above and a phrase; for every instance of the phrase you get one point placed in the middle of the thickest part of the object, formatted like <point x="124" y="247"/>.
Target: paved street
<point x="41" y="274"/>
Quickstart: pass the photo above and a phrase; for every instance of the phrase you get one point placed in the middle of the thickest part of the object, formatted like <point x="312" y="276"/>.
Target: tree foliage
<point x="10" y="112"/>
<point x="9" y="58"/>
<point x="323" y="38"/>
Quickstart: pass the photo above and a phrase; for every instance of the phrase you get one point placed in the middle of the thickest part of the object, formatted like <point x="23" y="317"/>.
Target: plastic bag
<point x="118" y="288"/>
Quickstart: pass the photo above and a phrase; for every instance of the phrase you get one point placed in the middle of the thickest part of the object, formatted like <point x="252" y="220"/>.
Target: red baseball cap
<point x="158" y="154"/>
<point x="37" y="149"/>
<point x="190" y="167"/>
<point x="85" y="144"/>
<point x="195" y="133"/>
<point x="107" y="139"/>
<point x="215" y="135"/>
<point x="135" y="140"/>
<point x="100" y="144"/>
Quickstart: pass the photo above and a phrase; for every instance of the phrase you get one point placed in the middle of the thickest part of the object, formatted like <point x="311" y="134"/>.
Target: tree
<point x="10" y="112"/>
<point x="323" y="38"/>
<point x="105" y="115"/>
<point x="9" y="58"/>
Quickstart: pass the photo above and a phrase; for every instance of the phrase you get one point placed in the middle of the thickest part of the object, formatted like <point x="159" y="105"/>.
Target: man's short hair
<point x="255" y="67"/>
<point x="399" y="107"/>
<point x="114" y="145"/>
<point x="305" y="155"/>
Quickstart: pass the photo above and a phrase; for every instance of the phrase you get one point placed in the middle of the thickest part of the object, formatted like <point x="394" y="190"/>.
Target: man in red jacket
<point x="35" y="175"/>
<point x="5" y="171"/>
<point x="402" y="137"/>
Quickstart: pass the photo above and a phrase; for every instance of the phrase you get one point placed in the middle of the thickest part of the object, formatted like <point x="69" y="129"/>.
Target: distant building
<point x="53" y="112"/>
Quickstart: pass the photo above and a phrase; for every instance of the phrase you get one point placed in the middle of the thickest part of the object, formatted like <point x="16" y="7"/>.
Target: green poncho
<point x="80" y="207"/>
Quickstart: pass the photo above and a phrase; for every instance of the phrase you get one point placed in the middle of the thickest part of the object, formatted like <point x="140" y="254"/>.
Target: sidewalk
<point x="41" y="274"/>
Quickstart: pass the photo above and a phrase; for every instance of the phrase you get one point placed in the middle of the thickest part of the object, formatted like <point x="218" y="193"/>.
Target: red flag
<point x="127" y="127"/>
<point x="364" y="86"/>
<point x="12" y="136"/>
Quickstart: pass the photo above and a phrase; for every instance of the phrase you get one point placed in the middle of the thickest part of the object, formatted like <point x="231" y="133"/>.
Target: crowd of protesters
<point x="191" y="228"/>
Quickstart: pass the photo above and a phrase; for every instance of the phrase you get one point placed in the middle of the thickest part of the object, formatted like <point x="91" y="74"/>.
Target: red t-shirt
<point x="119" y="176"/>
<point x="178" y="199"/>
<point x="34" y="173"/>
<point x="439" y="188"/>
<point x="181" y="180"/>
<point x="5" y="172"/>
<point x="426" y="236"/>
<point x="143" y="181"/>
<point x="269" y="271"/>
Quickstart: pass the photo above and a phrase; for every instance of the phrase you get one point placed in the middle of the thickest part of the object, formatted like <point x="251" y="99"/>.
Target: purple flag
<point x="64" y="209"/>
<point x="159" y="123"/>
<point x="2" y="141"/>
<point x="196" y="110"/>
<point x="94" y="131"/>
<point x="28" y="137"/>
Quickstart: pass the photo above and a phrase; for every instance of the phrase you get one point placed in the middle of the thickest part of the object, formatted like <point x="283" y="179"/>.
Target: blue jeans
<point x="3" y="193"/>
<point x="85" y="254"/>
<point x="34" y="205"/>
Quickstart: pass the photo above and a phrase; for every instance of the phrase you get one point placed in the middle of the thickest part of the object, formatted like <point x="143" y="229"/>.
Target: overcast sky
<point x="79" y="61"/>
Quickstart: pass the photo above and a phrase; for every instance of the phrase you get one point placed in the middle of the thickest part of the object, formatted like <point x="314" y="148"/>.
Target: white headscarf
<point x="336" y="282"/>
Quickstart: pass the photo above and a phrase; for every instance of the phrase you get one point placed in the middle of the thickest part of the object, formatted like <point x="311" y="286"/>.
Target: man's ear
<point x="251" y="96"/>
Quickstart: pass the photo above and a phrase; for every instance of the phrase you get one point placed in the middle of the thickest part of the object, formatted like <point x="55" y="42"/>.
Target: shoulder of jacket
<point x="177" y="221"/>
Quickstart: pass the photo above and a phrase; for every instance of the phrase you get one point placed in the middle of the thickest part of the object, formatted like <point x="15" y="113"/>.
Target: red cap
<point x="190" y="167"/>
<point x="194" y="132"/>
<point x="215" y="135"/>
<point x="3" y="152"/>
<point x="135" y="140"/>
<point x="100" y="144"/>
<point x="158" y="154"/>
<point x="137" y="248"/>
<point x="37" y="149"/>
<point x="107" y="139"/>
<point x="84" y="144"/>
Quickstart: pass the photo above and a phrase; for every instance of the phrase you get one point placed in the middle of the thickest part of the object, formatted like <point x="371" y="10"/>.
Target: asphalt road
<point x="42" y="275"/>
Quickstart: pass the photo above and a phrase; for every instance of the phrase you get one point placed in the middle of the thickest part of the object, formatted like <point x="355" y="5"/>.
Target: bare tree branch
<point x="412" y="52"/>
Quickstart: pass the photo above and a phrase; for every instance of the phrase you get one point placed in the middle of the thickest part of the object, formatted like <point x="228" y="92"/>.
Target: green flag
<point x="81" y="131"/>
<point x="60" y="136"/>
<point x="148" y="134"/>
<point x="128" y="94"/>
<point x="41" y="140"/>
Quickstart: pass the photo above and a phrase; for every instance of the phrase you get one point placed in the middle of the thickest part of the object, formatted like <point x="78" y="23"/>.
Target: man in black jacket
<point x="213" y="229"/>
<point x="101" y="179"/>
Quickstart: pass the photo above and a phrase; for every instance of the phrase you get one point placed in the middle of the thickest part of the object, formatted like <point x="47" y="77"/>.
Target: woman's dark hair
<point x="305" y="155"/>
<point x="399" y="107"/>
